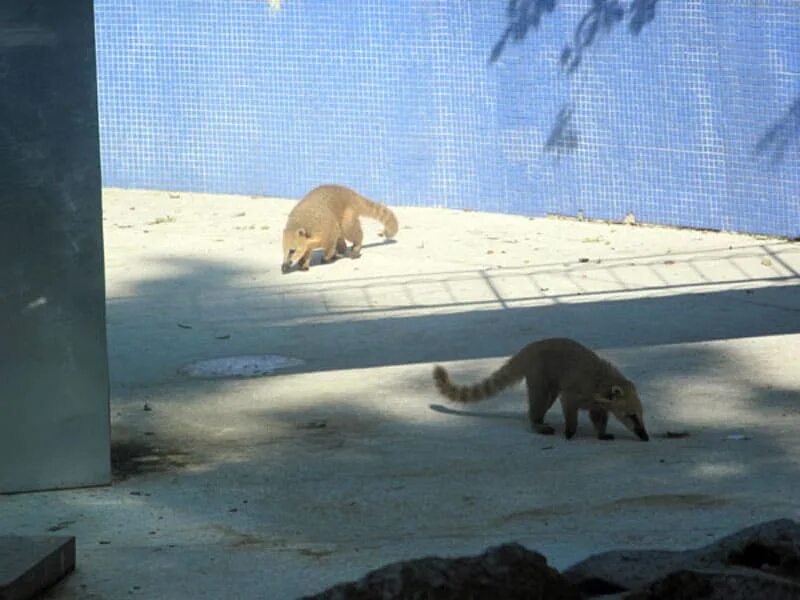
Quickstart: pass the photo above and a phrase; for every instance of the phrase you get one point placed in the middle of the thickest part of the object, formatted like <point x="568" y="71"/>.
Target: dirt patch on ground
<point x="668" y="501"/>
<point x="136" y="457"/>
<point x="652" y="501"/>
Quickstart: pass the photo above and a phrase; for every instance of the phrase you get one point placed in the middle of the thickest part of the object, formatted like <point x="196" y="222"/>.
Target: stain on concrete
<point x="676" y="501"/>
<point x="651" y="501"/>
<point x="133" y="457"/>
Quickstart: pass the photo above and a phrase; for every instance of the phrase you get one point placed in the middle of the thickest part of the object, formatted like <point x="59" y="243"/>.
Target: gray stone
<point x="509" y="571"/>
<point x="760" y="561"/>
<point x="30" y="564"/>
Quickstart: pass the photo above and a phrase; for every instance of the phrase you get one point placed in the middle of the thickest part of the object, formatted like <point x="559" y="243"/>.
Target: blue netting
<point x="677" y="112"/>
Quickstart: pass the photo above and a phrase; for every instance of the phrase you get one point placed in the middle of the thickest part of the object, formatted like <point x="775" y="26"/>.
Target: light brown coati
<point x="325" y="218"/>
<point x="559" y="368"/>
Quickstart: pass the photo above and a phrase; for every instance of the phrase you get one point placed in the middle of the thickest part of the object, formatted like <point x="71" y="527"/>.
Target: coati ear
<point x="616" y="391"/>
<point x="302" y="232"/>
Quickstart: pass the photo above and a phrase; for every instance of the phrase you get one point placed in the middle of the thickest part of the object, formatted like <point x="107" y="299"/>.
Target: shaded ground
<point x="284" y="485"/>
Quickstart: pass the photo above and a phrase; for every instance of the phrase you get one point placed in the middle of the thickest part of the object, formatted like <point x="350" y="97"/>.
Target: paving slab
<point x="283" y="485"/>
<point x="31" y="564"/>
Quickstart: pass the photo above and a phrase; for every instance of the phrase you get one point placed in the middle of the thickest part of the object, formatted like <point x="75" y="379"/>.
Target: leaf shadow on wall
<point x="601" y="18"/>
<point x="779" y="139"/>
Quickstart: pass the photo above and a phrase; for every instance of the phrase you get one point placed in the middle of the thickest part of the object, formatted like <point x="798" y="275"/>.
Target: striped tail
<point x="379" y="212"/>
<point x="495" y="383"/>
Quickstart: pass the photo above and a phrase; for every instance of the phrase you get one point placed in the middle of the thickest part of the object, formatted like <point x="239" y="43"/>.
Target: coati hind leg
<point x="341" y="246"/>
<point x="570" y="408"/>
<point x="351" y="228"/>
<point x="599" y="418"/>
<point x="570" y="421"/>
<point x="539" y="401"/>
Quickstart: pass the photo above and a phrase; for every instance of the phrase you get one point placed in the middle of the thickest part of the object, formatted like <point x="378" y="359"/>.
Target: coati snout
<point x="292" y="240"/>
<point x="625" y="405"/>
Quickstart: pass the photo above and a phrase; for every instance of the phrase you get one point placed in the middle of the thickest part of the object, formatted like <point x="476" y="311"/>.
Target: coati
<point x="325" y="218"/>
<point x="559" y="368"/>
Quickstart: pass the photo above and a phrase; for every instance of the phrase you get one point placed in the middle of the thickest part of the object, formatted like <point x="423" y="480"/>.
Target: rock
<point x="762" y="561"/>
<point x="509" y="572"/>
<point x="728" y="584"/>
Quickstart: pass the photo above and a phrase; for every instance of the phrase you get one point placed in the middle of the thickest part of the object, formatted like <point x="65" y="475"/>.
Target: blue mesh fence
<point x="675" y="112"/>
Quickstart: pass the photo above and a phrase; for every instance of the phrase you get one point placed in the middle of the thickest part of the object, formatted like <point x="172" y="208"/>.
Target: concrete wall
<point x="54" y="419"/>
<point x="684" y="112"/>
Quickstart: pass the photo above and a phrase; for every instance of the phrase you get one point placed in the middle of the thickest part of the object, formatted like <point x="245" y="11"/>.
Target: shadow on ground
<point x="350" y="426"/>
<point x="204" y="309"/>
<point x="361" y="473"/>
<point x="340" y="466"/>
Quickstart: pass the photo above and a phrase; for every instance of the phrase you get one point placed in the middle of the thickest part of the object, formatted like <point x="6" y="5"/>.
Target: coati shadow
<point x="446" y="410"/>
<point x="317" y="262"/>
<point x="522" y="418"/>
<point x="316" y="255"/>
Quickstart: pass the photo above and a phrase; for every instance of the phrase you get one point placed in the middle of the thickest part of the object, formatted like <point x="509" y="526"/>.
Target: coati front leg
<point x="599" y="418"/>
<point x="330" y="252"/>
<point x="304" y="262"/>
<point x="539" y="401"/>
<point x="304" y="254"/>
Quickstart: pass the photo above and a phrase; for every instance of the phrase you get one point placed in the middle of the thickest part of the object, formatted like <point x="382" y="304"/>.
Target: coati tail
<point x="379" y="212"/>
<point x="495" y="383"/>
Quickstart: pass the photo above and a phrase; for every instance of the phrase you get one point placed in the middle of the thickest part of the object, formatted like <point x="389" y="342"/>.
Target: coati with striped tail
<point x="559" y="368"/>
<point x="325" y="218"/>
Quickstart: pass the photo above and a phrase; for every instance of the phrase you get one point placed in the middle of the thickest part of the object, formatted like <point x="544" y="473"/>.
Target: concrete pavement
<point x="277" y="486"/>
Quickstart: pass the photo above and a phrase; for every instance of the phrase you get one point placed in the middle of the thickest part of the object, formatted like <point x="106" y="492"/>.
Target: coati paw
<point x="285" y="268"/>
<point x="355" y="255"/>
<point x="606" y="437"/>
<point x="544" y="429"/>
<point x="326" y="261"/>
<point x="305" y="267"/>
<point x="569" y="434"/>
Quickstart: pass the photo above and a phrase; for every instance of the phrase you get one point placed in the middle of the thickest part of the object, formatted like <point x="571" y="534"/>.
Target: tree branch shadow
<point x="600" y="19"/>
<point x="564" y="137"/>
<point x="523" y="15"/>
<point x="778" y="139"/>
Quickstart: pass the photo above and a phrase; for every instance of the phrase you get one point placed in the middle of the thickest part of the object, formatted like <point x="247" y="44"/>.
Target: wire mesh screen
<point x="672" y="112"/>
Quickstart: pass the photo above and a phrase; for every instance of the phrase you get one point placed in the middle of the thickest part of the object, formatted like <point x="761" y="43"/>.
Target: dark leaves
<point x="778" y="138"/>
<point x="641" y="13"/>
<point x="563" y="136"/>
<point x="523" y="15"/>
<point x="600" y="18"/>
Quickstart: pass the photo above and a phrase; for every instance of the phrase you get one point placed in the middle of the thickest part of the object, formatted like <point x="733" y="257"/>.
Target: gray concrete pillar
<point x="54" y="415"/>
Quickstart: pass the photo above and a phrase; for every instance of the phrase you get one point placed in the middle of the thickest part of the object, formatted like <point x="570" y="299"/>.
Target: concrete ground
<point x="278" y="486"/>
